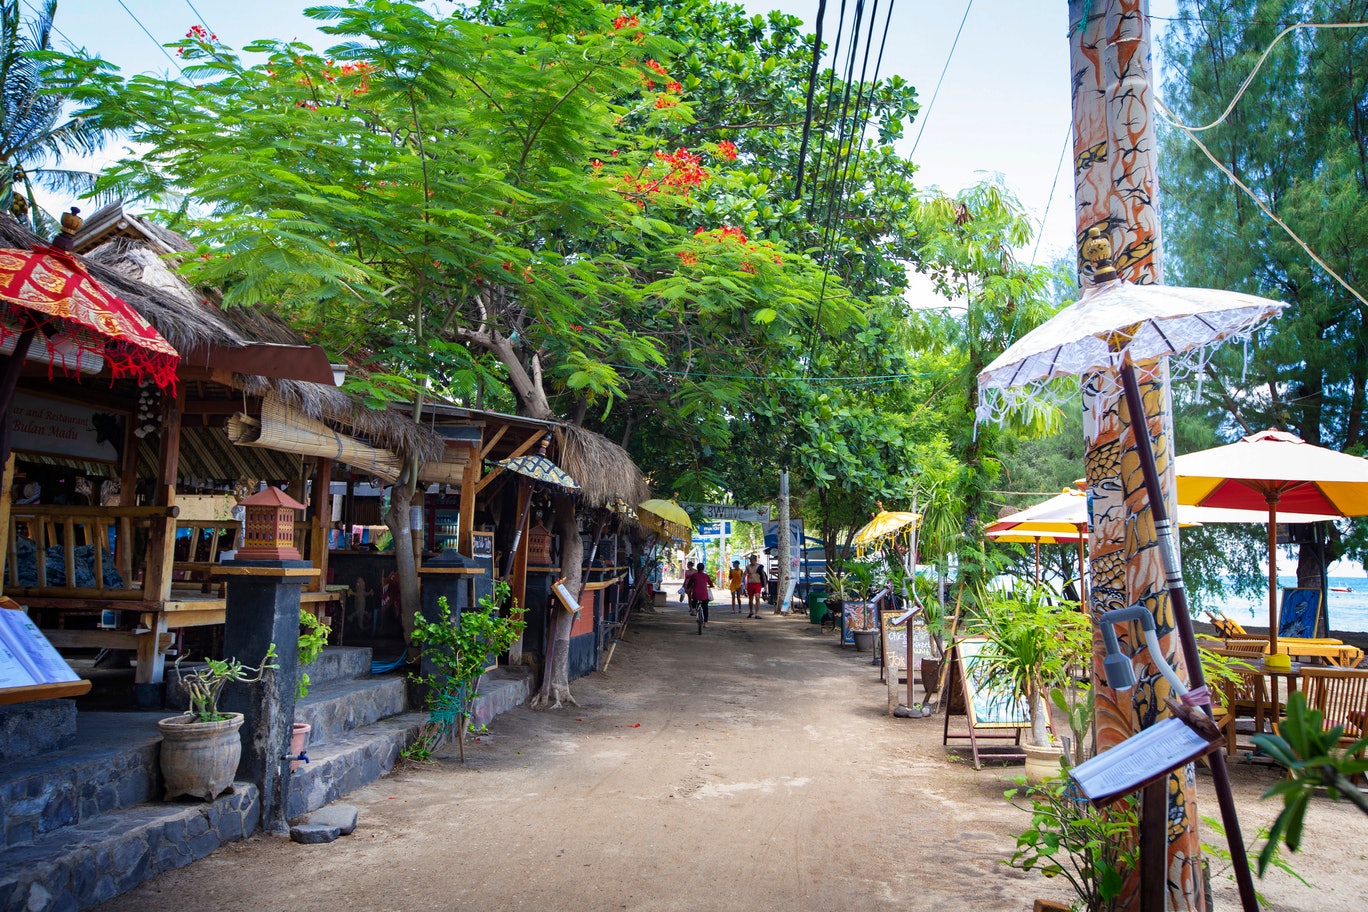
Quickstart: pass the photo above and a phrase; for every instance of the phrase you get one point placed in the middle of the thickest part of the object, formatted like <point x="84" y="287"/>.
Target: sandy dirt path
<point x="750" y="768"/>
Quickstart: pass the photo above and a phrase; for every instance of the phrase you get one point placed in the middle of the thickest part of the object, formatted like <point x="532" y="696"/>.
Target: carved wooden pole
<point x="1115" y="189"/>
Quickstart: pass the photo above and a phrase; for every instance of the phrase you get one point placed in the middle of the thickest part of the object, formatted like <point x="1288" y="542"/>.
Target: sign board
<point x="60" y="428"/>
<point x="714" y="529"/>
<point x="858" y="615"/>
<point x="994" y="713"/>
<point x="728" y="511"/>
<point x="26" y="656"/>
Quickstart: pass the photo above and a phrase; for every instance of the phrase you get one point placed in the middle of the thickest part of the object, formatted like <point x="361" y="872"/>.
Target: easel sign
<point x="994" y="713"/>
<point x="858" y="615"/>
<point x="566" y="597"/>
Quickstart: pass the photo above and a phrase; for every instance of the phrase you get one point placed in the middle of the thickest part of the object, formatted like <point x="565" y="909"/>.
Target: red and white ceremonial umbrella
<point x="48" y="299"/>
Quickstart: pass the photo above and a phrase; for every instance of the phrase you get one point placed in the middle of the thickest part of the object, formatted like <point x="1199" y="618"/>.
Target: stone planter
<point x="864" y="640"/>
<point x="199" y="758"/>
<point x="930" y="676"/>
<point x="1042" y="762"/>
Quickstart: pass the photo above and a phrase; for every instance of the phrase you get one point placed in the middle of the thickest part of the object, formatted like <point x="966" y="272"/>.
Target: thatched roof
<point x="604" y="470"/>
<point x="137" y="272"/>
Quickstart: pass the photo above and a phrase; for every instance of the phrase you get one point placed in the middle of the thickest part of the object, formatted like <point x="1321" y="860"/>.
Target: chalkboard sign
<point x="895" y="644"/>
<point x="482" y="545"/>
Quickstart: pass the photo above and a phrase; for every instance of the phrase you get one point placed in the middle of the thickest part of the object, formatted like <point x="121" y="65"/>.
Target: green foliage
<point x="461" y="652"/>
<point x="1031" y="646"/>
<point x="206" y="685"/>
<point x="313" y="637"/>
<point x="1078" y="704"/>
<point x="34" y="132"/>
<point x="1092" y="848"/>
<point x="1314" y="761"/>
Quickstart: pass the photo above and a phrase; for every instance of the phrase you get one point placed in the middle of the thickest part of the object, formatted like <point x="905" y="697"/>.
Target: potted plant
<point x="313" y="637"/>
<point x="200" y="749"/>
<point x="1032" y="642"/>
<point x="837" y="591"/>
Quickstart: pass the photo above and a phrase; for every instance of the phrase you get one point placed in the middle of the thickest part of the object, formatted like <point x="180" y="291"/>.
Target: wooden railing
<point x="72" y="527"/>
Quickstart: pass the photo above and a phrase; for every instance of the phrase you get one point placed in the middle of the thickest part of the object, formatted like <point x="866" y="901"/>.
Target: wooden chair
<point x="1342" y="695"/>
<point x="1246" y="698"/>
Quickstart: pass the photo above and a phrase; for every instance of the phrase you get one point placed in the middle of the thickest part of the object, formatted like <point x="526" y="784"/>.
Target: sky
<point x="1002" y="111"/>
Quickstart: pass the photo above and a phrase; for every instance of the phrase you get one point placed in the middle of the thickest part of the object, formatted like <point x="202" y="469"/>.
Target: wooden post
<point x="1115" y="189"/>
<point x="469" y="484"/>
<point x="6" y="486"/>
<point x="321" y="522"/>
<point x="161" y="543"/>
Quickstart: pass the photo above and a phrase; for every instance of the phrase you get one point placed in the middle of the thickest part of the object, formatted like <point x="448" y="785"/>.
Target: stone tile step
<point x="92" y="862"/>
<point x="340" y="663"/>
<point x="501" y="690"/>
<point x="339" y="707"/>
<point x="349" y="762"/>
<point x="111" y="764"/>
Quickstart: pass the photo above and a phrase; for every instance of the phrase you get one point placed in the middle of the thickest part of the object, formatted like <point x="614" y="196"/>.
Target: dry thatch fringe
<point x="604" y="470"/>
<point x="143" y="279"/>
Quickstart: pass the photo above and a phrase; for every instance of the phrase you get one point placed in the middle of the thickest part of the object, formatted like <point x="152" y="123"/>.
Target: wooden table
<point x="1291" y="675"/>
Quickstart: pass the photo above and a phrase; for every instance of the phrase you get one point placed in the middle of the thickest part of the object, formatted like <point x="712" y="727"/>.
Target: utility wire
<point x="948" y="58"/>
<point x="811" y="92"/>
<point x="1068" y="138"/>
<point x="199" y="16"/>
<point x="135" y="18"/>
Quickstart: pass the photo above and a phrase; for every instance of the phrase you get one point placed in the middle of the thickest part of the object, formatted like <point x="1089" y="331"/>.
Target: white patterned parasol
<point x="1113" y="323"/>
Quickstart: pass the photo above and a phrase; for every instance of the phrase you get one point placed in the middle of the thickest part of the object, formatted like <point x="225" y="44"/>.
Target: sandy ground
<point x="750" y="768"/>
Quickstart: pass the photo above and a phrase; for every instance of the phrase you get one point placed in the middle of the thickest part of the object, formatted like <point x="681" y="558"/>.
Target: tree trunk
<point x="555" y="686"/>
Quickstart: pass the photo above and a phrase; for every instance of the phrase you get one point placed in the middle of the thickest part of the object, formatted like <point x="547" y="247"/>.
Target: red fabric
<point x="52" y="282"/>
<point x="700" y="586"/>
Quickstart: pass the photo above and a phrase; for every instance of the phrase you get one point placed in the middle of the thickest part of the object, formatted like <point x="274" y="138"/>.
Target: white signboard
<point x="60" y="428"/>
<point x="729" y="511"/>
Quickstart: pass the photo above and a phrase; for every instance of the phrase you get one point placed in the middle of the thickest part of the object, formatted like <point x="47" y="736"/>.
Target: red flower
<point x="662" y="102"/>
<point x="656" y="67"/>
<point x="622" y="22"/>
<point x="596" y="164"/>
<point x="727" y="149"/>
<point x="687" y="258"/>
<point x="673" y="87"/>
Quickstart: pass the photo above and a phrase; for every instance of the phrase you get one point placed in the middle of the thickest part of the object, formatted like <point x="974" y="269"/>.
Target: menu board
<point x="26" y="656"/>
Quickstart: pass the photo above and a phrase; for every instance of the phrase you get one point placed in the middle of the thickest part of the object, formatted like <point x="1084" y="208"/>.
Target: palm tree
<point x="33" y="134"/>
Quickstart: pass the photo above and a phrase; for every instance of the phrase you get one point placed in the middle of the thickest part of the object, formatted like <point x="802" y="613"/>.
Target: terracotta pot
<point x="299" y="739"/>
<point x="930" y="676"/>
<point x="199" y="758"/>
<point x="1042" y="762"/>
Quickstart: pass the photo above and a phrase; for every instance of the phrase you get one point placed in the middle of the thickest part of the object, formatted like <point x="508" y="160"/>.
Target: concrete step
<point x="91" y="862"/>
<point x="111" y="764"/>
<point x="349" y="762"/>
<point x="339" y="707"/>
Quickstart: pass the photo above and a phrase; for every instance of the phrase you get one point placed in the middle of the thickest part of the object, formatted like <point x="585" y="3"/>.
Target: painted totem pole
<point x="1115" y="188"/>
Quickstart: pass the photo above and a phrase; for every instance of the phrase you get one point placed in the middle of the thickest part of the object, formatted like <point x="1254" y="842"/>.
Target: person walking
<point x="686" y="588"/>
<point x="755" y="584"/>
<point x="700" y="591"/>
<point x="735" y="582"/>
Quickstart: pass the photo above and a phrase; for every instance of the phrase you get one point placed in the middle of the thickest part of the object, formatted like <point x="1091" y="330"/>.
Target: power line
<point x="1068" y="137"/>
<point x="948" y="58"/>
<point x="153" y="38"/>
<point x="199" y="16"/>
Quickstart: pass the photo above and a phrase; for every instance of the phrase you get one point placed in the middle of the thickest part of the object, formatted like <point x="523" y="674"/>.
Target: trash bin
<point x="816" y="607"/>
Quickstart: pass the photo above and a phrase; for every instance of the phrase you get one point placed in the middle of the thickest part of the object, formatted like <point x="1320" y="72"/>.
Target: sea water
<point x="1348" y="611"/>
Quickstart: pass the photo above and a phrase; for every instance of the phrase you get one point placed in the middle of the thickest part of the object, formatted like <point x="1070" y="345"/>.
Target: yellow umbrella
<point x="886" y="524"/>
<point x="666" y="518"/>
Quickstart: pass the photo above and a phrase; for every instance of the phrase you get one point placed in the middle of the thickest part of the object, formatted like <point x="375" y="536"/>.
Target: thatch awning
<point x="605" y="471"/>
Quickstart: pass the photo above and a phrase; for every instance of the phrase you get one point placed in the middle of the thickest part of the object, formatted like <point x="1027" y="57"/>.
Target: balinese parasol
<point x="542" y="471"/>
<point x="45" y="292"/>
<point x="886" y="524"/>
<point x="666" y="518"/>
<point x="1269" y="470"/>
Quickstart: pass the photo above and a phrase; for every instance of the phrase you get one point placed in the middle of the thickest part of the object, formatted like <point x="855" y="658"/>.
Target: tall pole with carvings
<point x="1115" y="190"/>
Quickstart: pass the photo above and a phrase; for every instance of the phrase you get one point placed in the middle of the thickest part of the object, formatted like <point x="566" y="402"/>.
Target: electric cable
<point x="152" y="37"/>
<point x="811" y="93"/>
<point x="1068" y="138"/>
<point x="951" y="56"/>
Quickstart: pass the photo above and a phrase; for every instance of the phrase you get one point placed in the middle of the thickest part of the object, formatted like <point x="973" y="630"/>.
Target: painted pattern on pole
<point x="1115" y="188"/>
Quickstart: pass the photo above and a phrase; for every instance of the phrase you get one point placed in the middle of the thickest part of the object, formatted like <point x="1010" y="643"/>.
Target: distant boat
<point x="1341" y="589"/>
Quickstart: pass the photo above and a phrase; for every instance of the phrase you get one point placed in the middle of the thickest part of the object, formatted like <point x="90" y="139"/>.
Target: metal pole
<point x="1168" y="554"/>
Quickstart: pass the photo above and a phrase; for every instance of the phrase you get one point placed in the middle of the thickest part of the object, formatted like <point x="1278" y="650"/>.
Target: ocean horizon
<point x="1347" y="609"/>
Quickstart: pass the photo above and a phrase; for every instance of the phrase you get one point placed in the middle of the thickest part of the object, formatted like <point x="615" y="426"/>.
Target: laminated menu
<point x="1140" y="759"/>
<point x="26" y="656"/>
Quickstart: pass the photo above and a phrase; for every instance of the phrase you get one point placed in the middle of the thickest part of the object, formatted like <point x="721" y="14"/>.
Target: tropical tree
<point x="34" y="133"/>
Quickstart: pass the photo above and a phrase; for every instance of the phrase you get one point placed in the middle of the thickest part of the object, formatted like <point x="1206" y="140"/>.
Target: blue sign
<point x="714" y="529"/>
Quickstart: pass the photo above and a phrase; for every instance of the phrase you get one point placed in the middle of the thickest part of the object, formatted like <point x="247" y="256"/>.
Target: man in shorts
<point x="755" y="584"/>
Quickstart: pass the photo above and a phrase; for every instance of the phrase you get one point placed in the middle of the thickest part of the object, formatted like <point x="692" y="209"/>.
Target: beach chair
<point x="1328" y="649"/>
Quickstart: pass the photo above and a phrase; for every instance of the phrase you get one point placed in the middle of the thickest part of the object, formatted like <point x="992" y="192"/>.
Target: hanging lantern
<point x="269" y="527"/>
<point x="539" y="545"/>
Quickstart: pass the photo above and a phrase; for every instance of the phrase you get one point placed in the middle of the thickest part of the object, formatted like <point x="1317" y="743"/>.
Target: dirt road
<point x="750" y="768"/>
